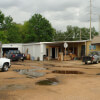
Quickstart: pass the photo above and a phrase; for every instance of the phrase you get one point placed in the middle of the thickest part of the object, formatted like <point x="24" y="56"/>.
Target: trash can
<point x="28" y="57"/>
<point x="32" y="58"/>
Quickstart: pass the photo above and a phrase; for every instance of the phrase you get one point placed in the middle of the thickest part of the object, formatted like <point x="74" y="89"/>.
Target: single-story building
<point x="52" y="49"/>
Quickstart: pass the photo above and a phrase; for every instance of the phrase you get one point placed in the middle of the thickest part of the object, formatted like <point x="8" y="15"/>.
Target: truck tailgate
<point x="86" y="58"/>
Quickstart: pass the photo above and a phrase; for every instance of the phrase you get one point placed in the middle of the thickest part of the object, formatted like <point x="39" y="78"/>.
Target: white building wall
<point x="42" y="51"/>
<point x="29" y="48"/>
<point x="19" y="46"/>
<point x="35" y="50"/>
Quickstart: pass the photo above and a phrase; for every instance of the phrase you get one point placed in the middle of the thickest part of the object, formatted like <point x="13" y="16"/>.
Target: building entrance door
<point x="53" y="52"/>
<point x="83" y="50"/>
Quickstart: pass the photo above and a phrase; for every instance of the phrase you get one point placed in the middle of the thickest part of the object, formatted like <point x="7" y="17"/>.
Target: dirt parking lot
<point x="50" y="80"/>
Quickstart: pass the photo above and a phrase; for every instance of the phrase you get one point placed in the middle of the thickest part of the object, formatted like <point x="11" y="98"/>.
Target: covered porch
<point x="75" y="50"/>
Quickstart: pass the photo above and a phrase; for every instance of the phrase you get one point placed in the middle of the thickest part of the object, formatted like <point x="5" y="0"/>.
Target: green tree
<point x="73" y="33"/>
<point x="13" y="34"/>
<point x="11" y="29"/>
<point x="39" y="29"/>
<point x="59" y="36"/>
<point x="3" y="37"/>
<point x="1" y="19"/>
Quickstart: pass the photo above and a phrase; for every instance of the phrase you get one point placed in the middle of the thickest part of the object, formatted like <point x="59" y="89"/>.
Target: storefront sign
<point x="65" y="45"/>
<point x="92" y="47"/>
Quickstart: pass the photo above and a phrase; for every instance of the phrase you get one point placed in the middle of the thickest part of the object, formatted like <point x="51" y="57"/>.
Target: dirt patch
<point x="67" y="72"/>
<point x="6" y="95"/>
<point x="51" y="65"/>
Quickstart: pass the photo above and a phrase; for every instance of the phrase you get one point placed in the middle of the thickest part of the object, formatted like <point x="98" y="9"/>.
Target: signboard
<point x="65" y="45"/>
<point x="92" y="47"/>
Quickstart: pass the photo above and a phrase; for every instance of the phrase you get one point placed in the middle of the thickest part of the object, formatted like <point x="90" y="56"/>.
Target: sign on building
<point x="65" y="45"/>
<point x="92" y="47"/>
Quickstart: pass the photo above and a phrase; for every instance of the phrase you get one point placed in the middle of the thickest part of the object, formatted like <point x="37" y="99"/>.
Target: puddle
<point x="98" y="74"/>
<point x="49" y="65"/>
<point x="67" y="72"/>
<point x="13" y="87"/>
<point x="30" y="73"/>
<point x="48" y="81"/>
<point x="12" y="78"/>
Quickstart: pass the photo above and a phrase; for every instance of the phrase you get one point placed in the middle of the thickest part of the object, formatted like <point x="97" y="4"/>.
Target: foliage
<point x="74" y="33"/>
<point x="38" y="29"/>
<point x="3" y="37"/>
<point x="59" y="36"/>
<point x="1" y="19"/>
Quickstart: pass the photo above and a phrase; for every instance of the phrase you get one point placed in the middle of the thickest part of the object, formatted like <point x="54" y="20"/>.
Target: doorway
<point x="83" y="50"/>
<point x="53" y="53"/>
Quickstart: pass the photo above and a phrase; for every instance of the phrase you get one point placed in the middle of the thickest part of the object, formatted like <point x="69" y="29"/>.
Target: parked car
<point x="93" y="57"/>
<point x="4" y="64"/>
<point x="15" y="55"/>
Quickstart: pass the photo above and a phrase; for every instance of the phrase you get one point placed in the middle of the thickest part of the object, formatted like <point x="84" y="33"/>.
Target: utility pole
<point x="90" y="16"/>
<point x="99" y="25"/>
<point x="80" y="35"/>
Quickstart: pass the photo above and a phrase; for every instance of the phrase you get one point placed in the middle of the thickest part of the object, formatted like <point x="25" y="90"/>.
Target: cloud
<point x="59" y="12"/>
<point x="8" y="3"/>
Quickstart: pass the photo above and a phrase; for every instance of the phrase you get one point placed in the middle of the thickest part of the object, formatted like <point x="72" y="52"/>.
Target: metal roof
<point x="37" y="43"/>
<point x="96" y="40"/>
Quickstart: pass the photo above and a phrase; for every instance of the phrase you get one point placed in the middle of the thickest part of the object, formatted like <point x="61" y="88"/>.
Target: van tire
<point x="97" y="62"/>
<point x="23" y="59"/>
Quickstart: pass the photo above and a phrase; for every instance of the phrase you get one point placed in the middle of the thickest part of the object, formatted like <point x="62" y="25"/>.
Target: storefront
<point x="77" y="48"/>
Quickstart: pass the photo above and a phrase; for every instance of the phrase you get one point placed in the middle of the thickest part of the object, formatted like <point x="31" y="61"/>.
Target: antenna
<point x="90" y="16"/>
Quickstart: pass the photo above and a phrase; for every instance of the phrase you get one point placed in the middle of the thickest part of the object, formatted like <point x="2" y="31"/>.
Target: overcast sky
<point x="60" y="13"/>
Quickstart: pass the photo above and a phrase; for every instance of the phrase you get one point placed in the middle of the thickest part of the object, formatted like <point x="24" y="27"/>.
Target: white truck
<point x="4" y="64"/>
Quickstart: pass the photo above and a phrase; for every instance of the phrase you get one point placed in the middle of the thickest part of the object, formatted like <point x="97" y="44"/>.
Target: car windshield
<point x="14" y="51"/>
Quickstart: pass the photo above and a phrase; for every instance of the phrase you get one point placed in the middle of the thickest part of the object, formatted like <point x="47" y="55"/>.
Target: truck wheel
<point x="85" y="62"/>
<point x="23" y="59"/>
<point x="5" y="67"/>
<point x="97" y="62"/>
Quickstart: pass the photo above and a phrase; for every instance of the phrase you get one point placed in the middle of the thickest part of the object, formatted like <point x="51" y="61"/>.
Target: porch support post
<point x="85" y="48"/>
<point x="73" y="48"/>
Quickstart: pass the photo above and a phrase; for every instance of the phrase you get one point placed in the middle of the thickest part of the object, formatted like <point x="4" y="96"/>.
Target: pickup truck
<point x="4" y="64"/>
<point x="93" y="57"/>
<point x="15" y="55"/>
